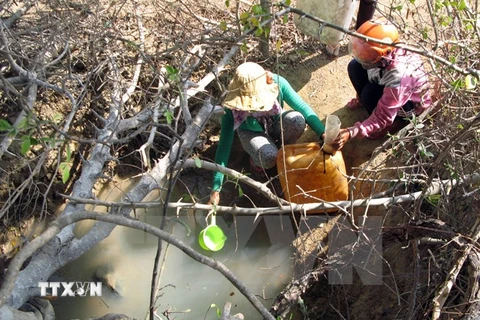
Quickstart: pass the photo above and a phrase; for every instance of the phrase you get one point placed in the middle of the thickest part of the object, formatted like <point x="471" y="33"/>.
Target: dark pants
<point x="369" y="93"/>
<point x="366" y="9"/>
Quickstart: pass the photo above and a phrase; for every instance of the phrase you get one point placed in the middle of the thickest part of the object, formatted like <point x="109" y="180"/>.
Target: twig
<point x="138" y="67"/>
<point x="435" y="29"/>
<point x="144" y="150"/>
<point x="413" y="295"/>
<point x="338" y="312"/>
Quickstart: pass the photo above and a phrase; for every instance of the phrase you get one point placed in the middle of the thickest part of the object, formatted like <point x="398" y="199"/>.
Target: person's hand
<point x="214" y="198"/>
<point x="341" y="139"/>
<point x="269" y="77"/>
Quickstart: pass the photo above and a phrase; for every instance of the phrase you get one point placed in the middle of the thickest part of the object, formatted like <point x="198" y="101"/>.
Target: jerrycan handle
<point x="304" y="148"/>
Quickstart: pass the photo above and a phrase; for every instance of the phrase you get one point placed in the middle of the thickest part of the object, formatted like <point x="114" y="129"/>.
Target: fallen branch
<point x="435" y="188"/>
<point x="292" y="294"/>
<point x="444" y="290"/>
<point x="474" y="289"/>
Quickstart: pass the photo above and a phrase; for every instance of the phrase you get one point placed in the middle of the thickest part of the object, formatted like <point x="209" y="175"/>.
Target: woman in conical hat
<point x="253" y="105"/>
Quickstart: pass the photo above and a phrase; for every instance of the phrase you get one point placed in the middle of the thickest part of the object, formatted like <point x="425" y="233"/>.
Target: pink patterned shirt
<point x="405" y="80"/>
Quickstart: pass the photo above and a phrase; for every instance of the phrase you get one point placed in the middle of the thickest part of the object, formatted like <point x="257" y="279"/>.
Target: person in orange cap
<point x="253" y="105"/>
<point x="390" y="82"/>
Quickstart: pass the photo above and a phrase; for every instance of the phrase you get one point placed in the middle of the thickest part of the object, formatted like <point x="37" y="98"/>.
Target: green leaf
<point x="266" y="32"/>
<point x="64" y="169"/>
<point x="257" y="9"/>
<point x="219" y="313"/>
<point x="244" y="48"/>
<point x="446" y="21"/>
<point x="285" y="19"/>
<point x="462" y="5"/>
<point x="457" y="84"/>
<point x="434" y="199"/>
<point x="424" y="33"/>
<point x="172" y="73"/>
<point x="25" y="146"/>
<point x="240" y="191"/>
<point x="171" y="70"/>
<point x="62" y="166"/>
<point x="254" y="21"/>
<point x="278" y="45"/>
<point x="287" y="2"/>
<point x="66" y="174"/>
<point x="169" y="116"/>
<point x="244" y="15"/>
<point x="227" y="3"/>
<point x="23" y="124"/>
<point x="198" y="162"/>
<point x="223" y="26"/>
<point x="5" y="125"/>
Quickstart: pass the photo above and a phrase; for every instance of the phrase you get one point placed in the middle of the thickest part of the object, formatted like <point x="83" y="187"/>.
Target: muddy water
<point x="258" y="252"/>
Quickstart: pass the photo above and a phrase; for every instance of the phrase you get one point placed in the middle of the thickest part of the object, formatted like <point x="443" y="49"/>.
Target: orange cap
<point x="369" y="52"/>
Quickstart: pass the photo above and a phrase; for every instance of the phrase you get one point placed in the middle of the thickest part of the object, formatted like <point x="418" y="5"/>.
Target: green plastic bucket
<point x="212" y="237"/>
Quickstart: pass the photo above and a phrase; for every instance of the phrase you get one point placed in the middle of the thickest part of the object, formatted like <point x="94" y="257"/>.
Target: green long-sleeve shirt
<point x="286" y="94"/>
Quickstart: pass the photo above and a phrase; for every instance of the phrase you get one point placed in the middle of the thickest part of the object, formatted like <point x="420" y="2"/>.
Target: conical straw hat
<point x="249" y="90"/>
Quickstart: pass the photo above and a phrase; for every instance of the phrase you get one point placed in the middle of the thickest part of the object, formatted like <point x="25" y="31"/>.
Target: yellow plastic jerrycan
<point x="311" y="174"/>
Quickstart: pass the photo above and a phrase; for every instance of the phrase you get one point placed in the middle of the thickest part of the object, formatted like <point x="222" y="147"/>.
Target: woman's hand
<point x="341" y="139"/>
<point x="214" y="198"/>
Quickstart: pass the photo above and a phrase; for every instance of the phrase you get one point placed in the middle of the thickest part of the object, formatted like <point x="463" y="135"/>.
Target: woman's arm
<point x="384" y="113"/>
<point x="293" y="99"/>
<point x="224" y="147"/>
